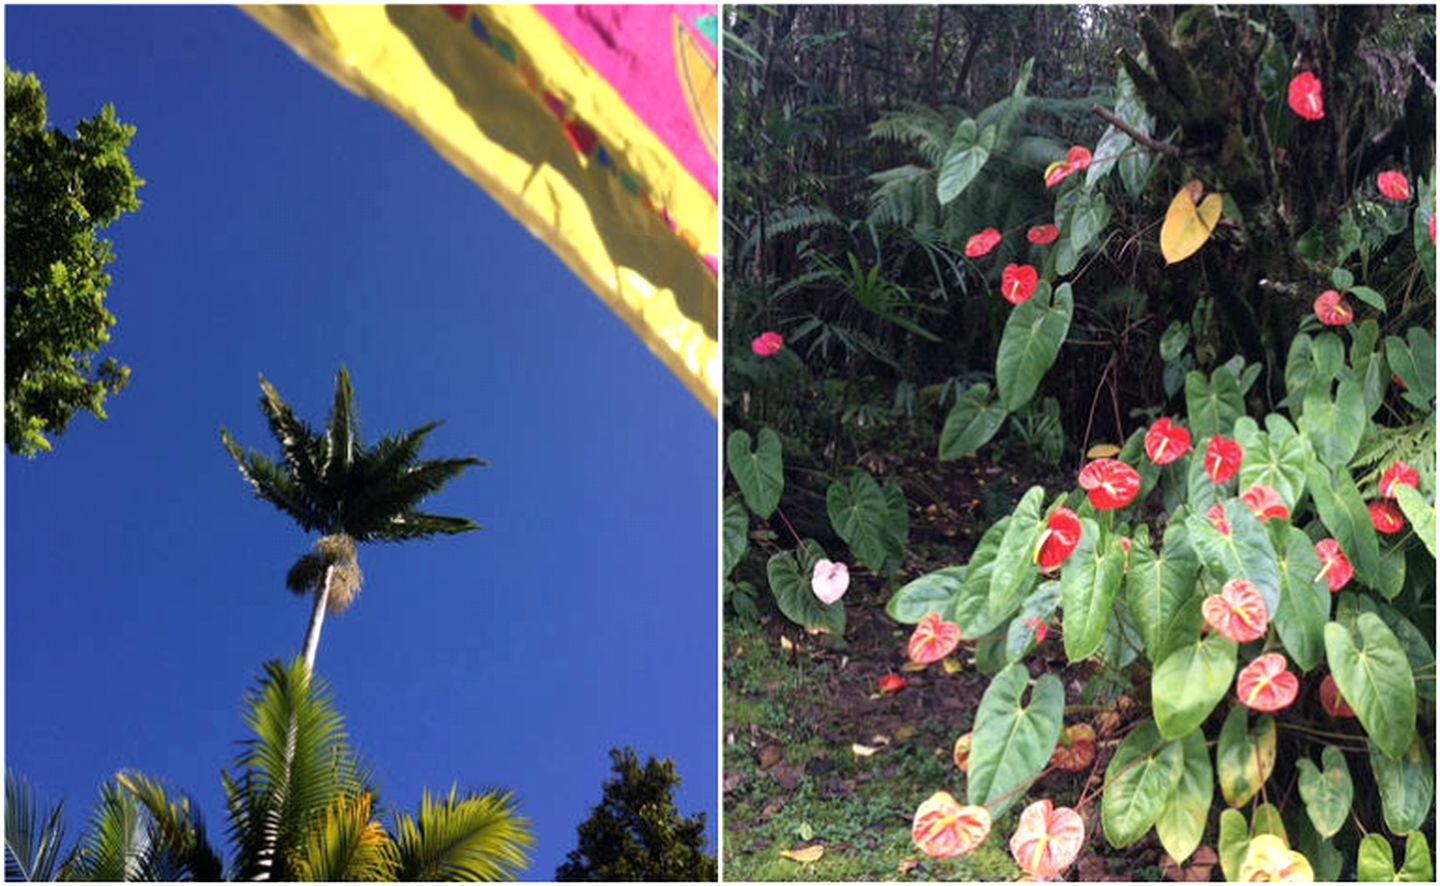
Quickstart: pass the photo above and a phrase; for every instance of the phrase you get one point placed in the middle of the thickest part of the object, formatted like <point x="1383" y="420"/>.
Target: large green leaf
<point x="1141" y="778"/>
<point x="1414" y="362"/>
<point x="1334" y="426"/>
<point x="1375" y="862"/>
<point x="972" y="421"/>
<point x="1033" y="335"/>
<point x="862" y="515"/>
<point x="967" y="154"/>
<point x="790" y="582"/>
<point x="1014" y="570"/>
<point x="1013" y="741"/>
<point x="1418" y="866"/>
<point x="1420" y="513"/>
<point x="1304" y="602"/>
<point x="1181" y="825"/>
<point x="1089" y="584"/>
<point x="1407" y="786"/>
<point x="1343" y="512"/>
<point x="1212" y="406"/>
<point x="737" y="534"/>
<point x="1276" y="457"/>
<point x="970" y="607"/>
<point x="1327" y="794"/>
<point x="1160" y="591"/>
<point x="931" y="592"/>
<point x="1190" y="682"/>
<point x="1234" y="843"/>
<point x="1245" y="756"/>
<point x="1245" y="553"/>
<point x="1374" y="677"/>
<point x="758" y="468"/>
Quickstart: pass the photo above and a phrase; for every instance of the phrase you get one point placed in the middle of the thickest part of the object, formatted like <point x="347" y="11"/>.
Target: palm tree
<point x="333" y="484"/>
<point x="301" y="807"/>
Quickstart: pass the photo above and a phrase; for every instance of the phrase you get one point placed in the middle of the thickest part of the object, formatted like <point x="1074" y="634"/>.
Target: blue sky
<point x="288" y="227"/>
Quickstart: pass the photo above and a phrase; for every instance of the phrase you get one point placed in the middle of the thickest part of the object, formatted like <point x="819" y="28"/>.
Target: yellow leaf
<point x="808" y="855"/>
<point x="1103" y="450"/>
<point x="786" y="644"/>
<point x="1188" y="225"/>
<point x="952" y="666"/>
<point x="861" y="750"/>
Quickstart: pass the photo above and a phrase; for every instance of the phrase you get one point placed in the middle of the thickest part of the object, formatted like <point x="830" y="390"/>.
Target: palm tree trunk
<point x="317" y="620"/>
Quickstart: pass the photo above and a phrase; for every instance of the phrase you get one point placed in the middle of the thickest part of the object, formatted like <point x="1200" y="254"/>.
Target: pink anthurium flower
<point x="1217" y="518"/>
<point x="1058" y="542"/>
<point x="767" y="344"/>
<point x="1331" y="309"/>
<point x="1266" y="684"/>
<point x="1222" y="459"/>
<point x="1335" y="566"/>
<point x="1047" y="839"/>
<point x="1398" y="474"/>
<point x="1265" y="503"/>
<point x="945" y="829"/>
<point x="934" y="638"/>
<point x="1332" y="701"/>
<point x="1306" y="98"/>
<point x="1043" y="235"/>
<point x="981" y="244"/>
<point x="1238" y="613"/>
<point x="1166" y="442"/>
<point x="829" y="581"/>
<point x="1110" y="484"/>
<point x="1394" y="185"/>
<point x="1387" y="518"/>
<point x="1018" y="283"/>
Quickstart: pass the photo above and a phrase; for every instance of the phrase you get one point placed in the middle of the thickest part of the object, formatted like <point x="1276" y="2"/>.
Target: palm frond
<point x="298" y="442"/>
<point x="179" y="848"/>
<point x="296" y="766"/>
<point x="415" y="525"/>
<point x="33" y="840"/>
<point x="481" y="837"/>
<point x="390" y="456"/>
<point x="342" y="433"/>
<point x="116" y="846"/>
<point x="373" y="512"/>
<point x="272" y="484"/>
<point x="347" y="843"/>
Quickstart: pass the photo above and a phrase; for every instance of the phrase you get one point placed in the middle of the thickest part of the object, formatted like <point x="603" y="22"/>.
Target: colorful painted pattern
<point x="594" y="125"/>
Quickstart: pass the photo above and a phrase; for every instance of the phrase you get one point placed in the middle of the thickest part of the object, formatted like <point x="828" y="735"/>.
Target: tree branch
<point x="1110" y="117"/>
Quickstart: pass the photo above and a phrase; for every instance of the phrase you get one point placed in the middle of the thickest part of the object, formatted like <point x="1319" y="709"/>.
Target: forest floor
<point x="814" y="755"/>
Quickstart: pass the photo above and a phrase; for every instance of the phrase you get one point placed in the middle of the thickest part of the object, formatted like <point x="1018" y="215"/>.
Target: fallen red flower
<point x="1043" y="235"/>
<point x="982" y="243"/>
<point x="1110" y="484"/>
<point x="1306" y="98"/>
<point x="1222" y="459"/>
<point x="1332" y="309"/>
<point x="1166" y="442"/>
<point x="891" y="684"/>
<point x="1018" y="282"/>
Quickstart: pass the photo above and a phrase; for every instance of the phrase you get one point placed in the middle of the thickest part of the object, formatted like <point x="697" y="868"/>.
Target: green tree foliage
<point x="636" y="833"/>
<point x="60" y="192"/>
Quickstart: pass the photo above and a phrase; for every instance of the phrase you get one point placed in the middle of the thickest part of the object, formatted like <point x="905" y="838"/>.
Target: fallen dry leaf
<point x="952" y="666"/>
<point x="861" y="750"/>
<point x="913" y="667"/>
<point x="808" y="855"/>
<point x="785" y="643"/>
<point x="905" y="733"/>
<point x="1103" y="450"/>
<point x="770" y="755"/>
<point x="907" y="866"/>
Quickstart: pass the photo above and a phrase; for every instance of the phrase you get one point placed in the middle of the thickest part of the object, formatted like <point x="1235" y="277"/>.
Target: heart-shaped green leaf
<point x="963" y="160"/>
<point x="1413" y="359"/>
<point x="972" y="421"/>
<point x="1376" y="861"/>
<point x="863" y="515"/>
<point x="970" y="607"/>
<point x="1013" y="741"/>
<point x="1030" y="343"/>
<point x="790" y="582"/>
<point x="1304" y="602"/>
<point x="1245" y="756"/>
<point x="1141" y="778"/>
<point x="1190" y="682"/>
<point x="1407" y="786"/>
<point x="1089" y="584"/>
<point x="758" y="469"/>
<point x="1330" y="424"/>
<point x="737" y="533"/>
<point x="1234" y="843"/>
<point x="1374" y="676"/>
<point x="1161" y="592"/>
<point x="1014" y="570"/>
<point x="1245" y="552"/>
<point x="1327" y="794"/>
<point x="931" y="592"/>
<point x="1212" y="406"/>
<point x="1181" y="824"/>
<point x="1343" y="512"/>
<point x="1275" y="457"/>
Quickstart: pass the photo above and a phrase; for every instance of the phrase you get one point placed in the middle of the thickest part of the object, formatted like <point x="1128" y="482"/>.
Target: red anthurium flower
<point x="1043" y="235"/>
<point x="1166" y="442"/>
<point x="982" y="243"/>
<point x="934" y="638"/>
<point x="945" y="829"/>
<point x="1077" y="160"/>
<point x="1238" y="613"/>
<point x="1265" y="503"/>
<point x="1217" y="518"/>
<point x="891" y="684"/>
<point x="1018" y="282"/>
<point x="1078" y="157"/>
<point x="1394" y="185"/>
<point x="1047" y="840"/>
<point x="1432" y="228"/>
<point x="1038" y="625"/>
<point x="767" y="344"/>
<point x="1266" y="685"/>
<point x="1335" y="566"/>
<point x="1061" y="537"/>
<point x="1399" y="474"/>
<point x="1332" y="309"/>
<point x="1386" y="517"/>
<point x="1333" y="702"/>
<point x="1305" y="96"/>
<point x="1222" y="459"/>
<point x="1110" y="484"/>
<point x="1076" y="750"/>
